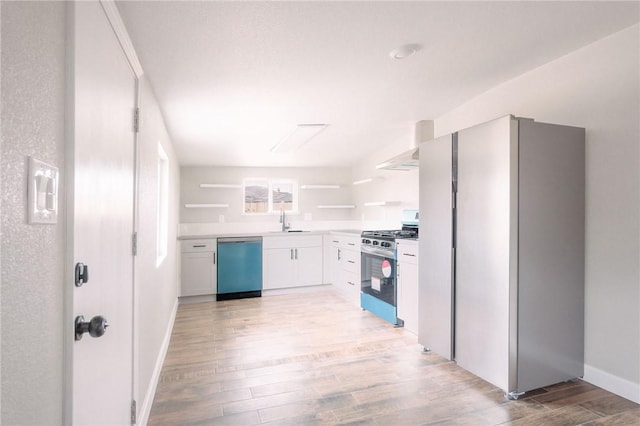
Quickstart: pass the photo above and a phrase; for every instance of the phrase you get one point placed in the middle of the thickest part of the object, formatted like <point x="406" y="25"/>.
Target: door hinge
<point x="133" y="412"/>
<point x="136" y="120"/>
<point x="134" y="244"/>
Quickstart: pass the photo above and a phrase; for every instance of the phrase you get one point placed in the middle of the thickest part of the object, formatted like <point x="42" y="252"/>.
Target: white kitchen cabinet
<point x="309" y="264"/>
<point x="345" y="266"/>
<point x="278" y="268"/>
<point x="198" y="276"/>
<point x="407" y="283"/>
<point x="291" y="261"/>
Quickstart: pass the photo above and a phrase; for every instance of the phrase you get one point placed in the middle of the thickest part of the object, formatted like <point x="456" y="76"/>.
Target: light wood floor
<point x="309" y="359"/>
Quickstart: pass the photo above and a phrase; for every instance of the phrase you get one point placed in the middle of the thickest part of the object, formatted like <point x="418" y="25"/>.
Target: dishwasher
<point x="239" y="268"/>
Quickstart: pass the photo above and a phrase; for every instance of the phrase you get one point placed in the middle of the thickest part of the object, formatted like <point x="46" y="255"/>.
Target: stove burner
<point x="391" y="234"/>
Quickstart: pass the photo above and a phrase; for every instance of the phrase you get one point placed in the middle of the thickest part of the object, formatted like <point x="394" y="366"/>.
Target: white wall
<point x="596" y="87"/>
<point x="309" y="217"/>
<point x="32" y="96"/>
<point x="400" y="187"/>
<point x="156" y="285"/>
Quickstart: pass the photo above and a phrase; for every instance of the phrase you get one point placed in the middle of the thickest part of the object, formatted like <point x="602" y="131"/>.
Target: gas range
<point x="384" y="242"/>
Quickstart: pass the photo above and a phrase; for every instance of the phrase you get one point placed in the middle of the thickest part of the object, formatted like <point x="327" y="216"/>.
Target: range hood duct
<point x="410" y="159"/>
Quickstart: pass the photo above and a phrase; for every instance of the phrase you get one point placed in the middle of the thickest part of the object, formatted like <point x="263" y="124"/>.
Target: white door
<point x="102" y="217"/>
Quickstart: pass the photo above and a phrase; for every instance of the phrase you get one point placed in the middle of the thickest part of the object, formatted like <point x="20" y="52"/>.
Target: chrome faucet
<point x="283" y="221"/>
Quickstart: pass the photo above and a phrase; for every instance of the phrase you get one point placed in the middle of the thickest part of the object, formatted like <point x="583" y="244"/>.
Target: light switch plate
<point x="42" y="192"/>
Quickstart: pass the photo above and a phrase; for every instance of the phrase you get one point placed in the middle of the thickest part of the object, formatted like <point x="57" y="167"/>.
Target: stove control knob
<point x="375" y="243"/>
<point x="385" y="244"/>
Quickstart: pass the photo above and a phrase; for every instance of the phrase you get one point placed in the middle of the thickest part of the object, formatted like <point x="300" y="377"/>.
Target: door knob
<point x="96" y="327"/>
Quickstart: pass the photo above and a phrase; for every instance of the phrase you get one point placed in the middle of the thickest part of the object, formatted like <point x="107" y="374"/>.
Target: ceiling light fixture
<point x="302" y="134"/>
<point x="404" y="51"/>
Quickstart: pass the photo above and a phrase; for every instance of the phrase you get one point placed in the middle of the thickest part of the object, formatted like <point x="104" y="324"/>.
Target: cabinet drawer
<point x="345" y="241"/>
<point x="335" y="240"/>
<point x="352" y="281"/>
<point x="194" y="246"/>
<point x="351" y="243"/>
<point x="350" y="260"/>
<point x="407" y="252"/>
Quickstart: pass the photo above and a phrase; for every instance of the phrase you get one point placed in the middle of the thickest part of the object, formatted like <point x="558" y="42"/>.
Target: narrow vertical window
<point x="162" y="219"/>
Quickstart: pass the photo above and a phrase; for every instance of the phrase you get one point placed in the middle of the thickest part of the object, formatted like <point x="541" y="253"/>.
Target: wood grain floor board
<point x="314" y="359"/>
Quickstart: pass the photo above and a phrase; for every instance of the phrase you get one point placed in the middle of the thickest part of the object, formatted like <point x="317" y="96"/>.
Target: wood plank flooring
<point x="308" y="359"/>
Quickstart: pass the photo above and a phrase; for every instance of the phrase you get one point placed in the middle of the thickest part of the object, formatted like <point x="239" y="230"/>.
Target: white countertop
<point x="349" y="232"/>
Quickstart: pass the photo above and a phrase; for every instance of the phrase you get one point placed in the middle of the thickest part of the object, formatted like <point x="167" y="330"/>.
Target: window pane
<point x="256" y="196"/>
<point x="282" y="193"/>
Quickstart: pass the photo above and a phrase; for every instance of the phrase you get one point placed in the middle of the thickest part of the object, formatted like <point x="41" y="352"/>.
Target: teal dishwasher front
<point x="239" y="268"/>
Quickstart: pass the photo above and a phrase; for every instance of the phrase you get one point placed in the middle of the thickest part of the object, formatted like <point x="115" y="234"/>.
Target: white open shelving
<point x="319" y="186"/>
<point x="336" y="206"/>
<point x="381" y="203"/>
<point x="205" y="206"/>
<point x="220" y="185"/>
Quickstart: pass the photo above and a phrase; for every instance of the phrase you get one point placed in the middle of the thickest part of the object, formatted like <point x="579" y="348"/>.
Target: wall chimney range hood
<point x="410" y="159"/>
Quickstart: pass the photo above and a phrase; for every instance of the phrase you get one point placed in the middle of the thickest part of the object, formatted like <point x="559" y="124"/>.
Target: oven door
<point x="379" y="274"/>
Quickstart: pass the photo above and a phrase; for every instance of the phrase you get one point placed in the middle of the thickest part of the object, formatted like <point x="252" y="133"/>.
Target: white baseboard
<point x="622" y="387"/>
<point x="297" y="290"/>
<point x="145" y="409"/>
<point x="186" y="300"/>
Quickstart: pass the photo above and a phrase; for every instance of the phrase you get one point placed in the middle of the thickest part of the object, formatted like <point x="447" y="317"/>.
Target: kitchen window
<point x="162" y="206"/>
<point x="264" y="195"/>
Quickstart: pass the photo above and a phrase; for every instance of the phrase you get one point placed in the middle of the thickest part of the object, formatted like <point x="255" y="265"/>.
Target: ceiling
<point x="234" y="78"/>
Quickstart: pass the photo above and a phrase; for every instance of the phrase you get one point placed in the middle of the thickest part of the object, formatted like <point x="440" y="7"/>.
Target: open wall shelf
<point x="381" y="203"/>
<point x="205" y="206"/>
<point x="220" y="185"/>
<point x="336" y="206"/>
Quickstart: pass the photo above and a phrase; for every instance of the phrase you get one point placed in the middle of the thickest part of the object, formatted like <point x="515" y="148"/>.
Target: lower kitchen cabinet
<point x="198" y="275"/>
<point x="291" y="261"/>
<point x="407" y="283"/>
<point x="345" y="266"/>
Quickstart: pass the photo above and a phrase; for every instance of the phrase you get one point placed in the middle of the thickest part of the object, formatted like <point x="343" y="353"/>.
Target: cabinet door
<point x="309" y="265"/>
<point x="436" y="249"/>
<point x="334" y="265"/>
<point x="408" y="295"/>
<point x="279" y="268"/>
<point x="198" y="274"/>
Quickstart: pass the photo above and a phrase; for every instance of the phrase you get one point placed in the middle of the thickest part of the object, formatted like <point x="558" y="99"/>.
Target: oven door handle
<point x="378" y="252"/>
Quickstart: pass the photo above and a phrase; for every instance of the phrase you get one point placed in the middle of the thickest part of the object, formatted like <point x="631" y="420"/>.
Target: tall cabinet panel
<point x="485" y="247"/>
<point x="435" y="296"/>
<point x="519" y="282"/>
<point x="551" y="254"/>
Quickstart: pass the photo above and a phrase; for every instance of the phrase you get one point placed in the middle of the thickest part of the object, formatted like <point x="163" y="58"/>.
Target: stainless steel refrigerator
<point x="502" y="251"/>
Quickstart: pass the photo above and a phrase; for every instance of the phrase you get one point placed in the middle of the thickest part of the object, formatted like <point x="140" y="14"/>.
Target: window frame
<point x="162" y="206"/>
<point x="270" y="184"/>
